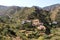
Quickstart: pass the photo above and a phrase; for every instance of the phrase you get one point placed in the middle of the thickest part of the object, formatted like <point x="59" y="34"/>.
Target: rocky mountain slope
<point x="14" y="25"/>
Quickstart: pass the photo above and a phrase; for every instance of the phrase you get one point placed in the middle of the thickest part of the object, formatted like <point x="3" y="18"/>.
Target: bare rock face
<point x="54" y="13"/>
<point x="41" y="27"/>
<point x="35" y="22"/>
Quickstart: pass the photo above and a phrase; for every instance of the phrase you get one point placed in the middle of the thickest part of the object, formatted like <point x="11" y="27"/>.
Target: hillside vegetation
<point x="16" y="23"/>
